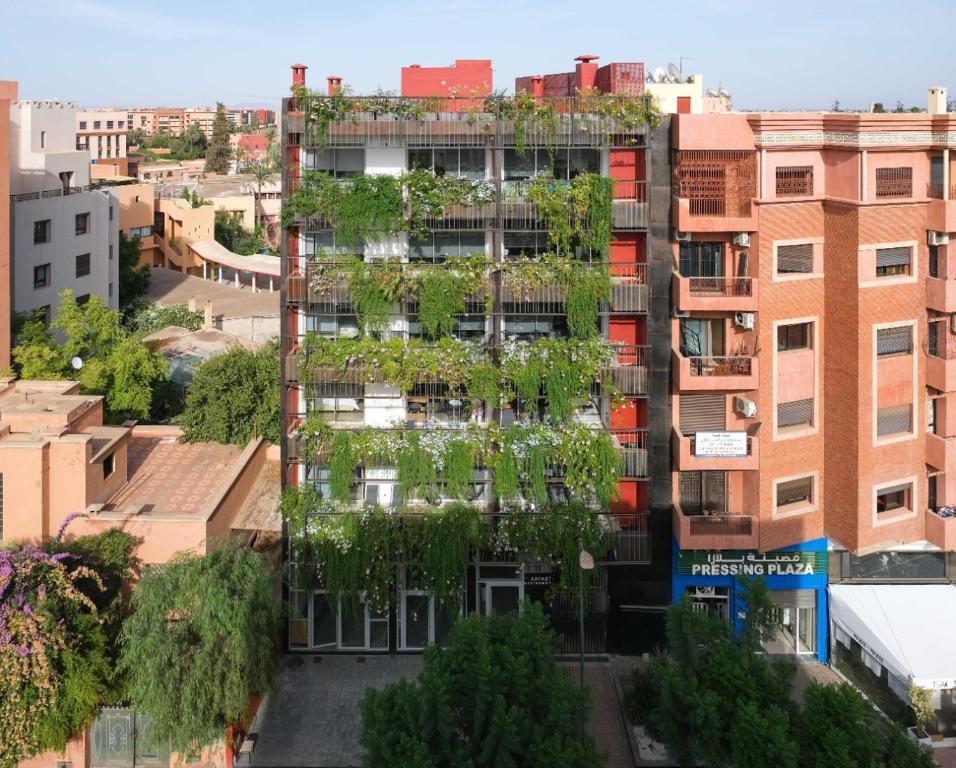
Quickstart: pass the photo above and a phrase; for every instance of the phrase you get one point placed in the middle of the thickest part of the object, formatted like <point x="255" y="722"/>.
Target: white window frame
<point x="789" y="278"/>
<point x="792" y="510"/>
<point x="915" y="399"/>
<point x="897" y="515"/>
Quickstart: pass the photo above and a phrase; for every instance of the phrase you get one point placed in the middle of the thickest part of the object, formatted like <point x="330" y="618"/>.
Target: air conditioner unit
<point x="745" y="407"/>
<point x="745" y="320"/>
<point x="685" y="313"/>
<point x="742" y="239"/>
<point x="681" y="237"/>
<point x="937" y="238"/>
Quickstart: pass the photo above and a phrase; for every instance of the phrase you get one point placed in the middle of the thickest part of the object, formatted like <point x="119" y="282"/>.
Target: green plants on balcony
<point x="582" y="302"/>
<point x="319" y="111"/>
<point x="443" y="290"/>
<point x="429" y="196"/>
<point x="555" y="533"/>
<point x="342" y="464"/>
<point x="483" y="381"/>
<point x="373" y="288"/>
<point x="579" y="211"/>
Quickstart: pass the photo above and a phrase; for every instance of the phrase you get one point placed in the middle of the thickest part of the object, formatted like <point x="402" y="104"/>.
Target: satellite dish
<point x="674" y="72"/>
<point x="660" y="76"/>
<point x="711" y="93"/>
<point x="724" y="92"/>
<point x="77" y="363"/>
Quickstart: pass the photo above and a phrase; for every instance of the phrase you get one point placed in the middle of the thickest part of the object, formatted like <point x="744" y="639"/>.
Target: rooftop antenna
<point x="682" y="59"/>
<point x="675" y="73"/>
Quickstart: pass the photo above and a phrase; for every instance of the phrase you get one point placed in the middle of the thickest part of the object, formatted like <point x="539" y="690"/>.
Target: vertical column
<point x="863" y="176"/>
<point x="945" y="174"/>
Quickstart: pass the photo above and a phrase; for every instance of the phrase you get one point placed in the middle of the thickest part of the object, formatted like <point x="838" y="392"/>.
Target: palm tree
<point x="262" y="173"/>
<point x="240" y="155"/>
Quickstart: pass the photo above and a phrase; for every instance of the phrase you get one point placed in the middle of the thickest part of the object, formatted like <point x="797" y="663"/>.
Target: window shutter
<point x="894" y="341"/>
<point x="796" y="412"/>
<point x="703" y="413"/>
<point x="795" y="258"/>
<point x="795" y="490"/>
<point x="893" y="421"/>
<point x="894" y="489"/>
<point x="715" y="491"/>
<point x="893" y="257"/>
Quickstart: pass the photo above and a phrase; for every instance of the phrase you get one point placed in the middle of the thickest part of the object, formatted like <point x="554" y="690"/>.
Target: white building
<point x="102" y="132"/>
<point x="64" y="234"/>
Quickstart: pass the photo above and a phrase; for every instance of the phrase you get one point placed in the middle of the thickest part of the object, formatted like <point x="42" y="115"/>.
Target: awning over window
<point x="906" y="628"/>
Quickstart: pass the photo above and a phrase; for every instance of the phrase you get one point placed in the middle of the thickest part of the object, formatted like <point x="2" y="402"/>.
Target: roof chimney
<point x="335" y="84"/>
<point x="537" y="85"/>
<point x="585" y="72"/>
<point x="937" y="100"/>
<point x="298" y="75"/>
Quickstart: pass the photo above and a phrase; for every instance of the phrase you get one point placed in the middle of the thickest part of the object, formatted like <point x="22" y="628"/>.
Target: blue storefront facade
<point x="796" y="577"/>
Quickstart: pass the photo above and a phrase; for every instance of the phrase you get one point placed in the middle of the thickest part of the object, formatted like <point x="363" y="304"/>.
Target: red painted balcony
<point x="715" y="294"/>
<point x="715" y="530"/>
<point x="714" y="373"/>
<point x="684" y="452"/>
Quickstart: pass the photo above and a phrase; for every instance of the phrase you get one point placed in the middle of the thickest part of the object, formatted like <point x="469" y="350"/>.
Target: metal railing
<point x="50" y="193"/>
<point x="629" y="370"/>
<point x="721" y="366"/>
<point x="720" y="286"/>
<point x="720" y="524"/>
<point x="935" y="190"/>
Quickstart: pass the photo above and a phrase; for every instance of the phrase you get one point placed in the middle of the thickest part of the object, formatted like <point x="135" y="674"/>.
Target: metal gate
<point x="121" y="738"/>
<point x="563" y="610"/>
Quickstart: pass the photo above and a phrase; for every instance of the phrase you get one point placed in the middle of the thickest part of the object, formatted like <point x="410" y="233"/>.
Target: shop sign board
<point x="740" y="563"/>
<point x="717" y="445"/>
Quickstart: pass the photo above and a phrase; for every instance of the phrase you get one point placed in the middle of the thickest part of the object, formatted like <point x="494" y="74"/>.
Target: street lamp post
<point x="585" y="563"/>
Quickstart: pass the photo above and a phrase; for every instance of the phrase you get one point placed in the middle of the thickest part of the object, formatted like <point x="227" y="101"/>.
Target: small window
<point x="794" y="180"/>
<point x="41" y="231"/>
<point x="82" y="300"/>
<point x="894" y="341"/>
<point x="82" y="125"/>
<point x="109" y="465"/>
<point x="111" y="291"/>
<point x="42" y="139"/>
<point x="794" y="336"/>
<point x="795" y="259"/>
<point x="83" y="265"/>
<point x="82" y="221"/>
<point x="896" y="420"/>
<point x="41" y="276"/>
<point x="97" y="124"/>
<point x="893" y="261"/>
<point x="109" y="124"/>
<point x="111" y="251"/>
<point x="896" y="497"/>
<point x="894" y="182"/>
<point x="111" y="213"/>
<point x="799" y="491"/>
<point x="796" y="413"/>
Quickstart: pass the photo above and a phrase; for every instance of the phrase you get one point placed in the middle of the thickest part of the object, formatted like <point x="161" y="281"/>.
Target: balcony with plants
<point x="593" y="119"/>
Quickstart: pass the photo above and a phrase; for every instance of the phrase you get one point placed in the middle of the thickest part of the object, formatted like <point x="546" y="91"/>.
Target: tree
<point x="262" y="174"/>
<point x="136" y="137"/>
<point x="199" y="642"/>
<point x="193" y="142"/>
<point x="133" y="280"/>
<point x="218" y="154"/>
<point x="240" y="154"/>
<point x="115" y="364"/>
<point x="145" y="318"/>
<point x="234" y="397"/>
<point x="230" y="234"/>
<point x="60" y="611"/>
<point x="495" y="697"/>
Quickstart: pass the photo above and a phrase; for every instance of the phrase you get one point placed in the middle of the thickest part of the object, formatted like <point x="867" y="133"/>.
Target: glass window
<point x="799" y="491"/>
<point x="524" y="244"/>
<point x="701" y="259"/>
<point x="323" y="621"/>
<point x="41" y="231"/>
<point x="471" y="163"/>
<point x="83" y="265"/>
<point x="890" y="566"/>
<point x="82" y="223"/>
<point x="82" y="125"/>
<point x="96" y="124"/>
<point x="41" y="276"/>
<point x="893" y="261"/>
<point x="794" y="336"/>
<point x="894" y="341"/>
<point x="890" y="499"/>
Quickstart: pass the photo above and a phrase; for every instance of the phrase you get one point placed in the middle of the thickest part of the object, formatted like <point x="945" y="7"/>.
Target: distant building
<point x="64" y="232"/>
<point x="102" y="132"/>
<point x="8" y="93"/>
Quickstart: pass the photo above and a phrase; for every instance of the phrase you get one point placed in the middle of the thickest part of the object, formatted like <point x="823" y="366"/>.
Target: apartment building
<point x="8" y="93"/>
<point x="500" y="321"/>
<point x="812" y="334"/>
<point x="64" y="233"/>
<point x="152" y="120"/>
<point x="102" y="132"/>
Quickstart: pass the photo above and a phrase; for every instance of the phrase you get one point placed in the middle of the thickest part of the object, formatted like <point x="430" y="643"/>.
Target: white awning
<point x="210" y="250"/>
<point x="910" y="629"/>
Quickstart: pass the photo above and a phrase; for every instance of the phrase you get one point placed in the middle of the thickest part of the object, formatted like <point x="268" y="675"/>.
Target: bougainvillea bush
<point x="57" y="611"/>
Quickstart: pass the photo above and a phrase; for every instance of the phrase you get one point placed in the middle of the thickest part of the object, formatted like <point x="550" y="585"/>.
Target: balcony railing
<point x="934" y="191"/>
<point x="721" y="366"/>
<point x="632" y="444"/>
<point x="718" y="524"/>
<point x="714" y="530"/>
<point x="50" y="193"/>
<point x="629" y="371"/>
<point x="720" y="286"/>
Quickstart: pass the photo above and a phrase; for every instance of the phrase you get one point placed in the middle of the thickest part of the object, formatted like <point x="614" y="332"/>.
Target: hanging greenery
<point x="316" y="436"/>
<point x="459" y="461"/>
<point x="431" y="197"/>
<point x="320" y="111"/>
<point x="417" y="471"/>
<point x="483" y="384"/>
<point x="373" y="289"/>
<point x="442" y="292"/>
<point x="579" y="212"/>
<point x="342" y="464"/>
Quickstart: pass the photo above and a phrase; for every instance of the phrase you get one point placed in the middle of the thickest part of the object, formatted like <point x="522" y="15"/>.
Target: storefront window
<point x="895" y="566"/>
<point x="796" y="614"/>
<point x="712" y="600"/>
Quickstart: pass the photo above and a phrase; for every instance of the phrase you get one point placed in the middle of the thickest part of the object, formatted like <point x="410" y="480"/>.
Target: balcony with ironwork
<point x="723" y="450"/>
<point x="713" y="190"/>
<point x="713" y="529"/>
<point x="715" y="294"/>
<point x="728" y="372"/>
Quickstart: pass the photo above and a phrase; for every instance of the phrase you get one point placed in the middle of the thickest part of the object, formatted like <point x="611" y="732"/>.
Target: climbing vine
<point x="579" y="212"/>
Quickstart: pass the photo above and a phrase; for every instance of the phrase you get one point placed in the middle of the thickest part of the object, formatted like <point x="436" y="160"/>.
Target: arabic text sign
<point x="797" y="563"/>
<point x="720" y="444"/>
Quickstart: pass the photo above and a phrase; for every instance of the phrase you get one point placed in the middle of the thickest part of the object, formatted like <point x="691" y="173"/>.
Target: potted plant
<point x="921" y="704"/>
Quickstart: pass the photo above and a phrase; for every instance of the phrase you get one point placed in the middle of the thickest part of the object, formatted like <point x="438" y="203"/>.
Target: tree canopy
<point x="230" y="234"/>
<point x="219" y="152"/>
<point x="115" y="364"/>
<point x="713" y="698"/>
<point x="60" y="611"/>
<point x="234" y="397"/>
<point x="199" y="642"/>
<point x="495" y="697"/>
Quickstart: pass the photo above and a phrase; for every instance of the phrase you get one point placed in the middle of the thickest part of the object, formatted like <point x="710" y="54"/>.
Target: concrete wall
<point x="8" y="93"/>
<point x="43" y="144"/>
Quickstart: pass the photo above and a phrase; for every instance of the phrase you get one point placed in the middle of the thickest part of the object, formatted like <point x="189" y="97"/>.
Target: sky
<point x="774" y="54"/>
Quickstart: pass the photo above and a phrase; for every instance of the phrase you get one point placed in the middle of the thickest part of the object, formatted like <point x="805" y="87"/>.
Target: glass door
<point x="501" y="596"/>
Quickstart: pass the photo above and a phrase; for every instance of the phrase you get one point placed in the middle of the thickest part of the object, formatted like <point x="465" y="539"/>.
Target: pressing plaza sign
<point x="695" y="563"/>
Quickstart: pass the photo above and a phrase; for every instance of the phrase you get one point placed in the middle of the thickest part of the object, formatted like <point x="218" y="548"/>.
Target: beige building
<point x="57" y="459"/>
<point x="102" y="132"/>
<point x="205" y="116"/>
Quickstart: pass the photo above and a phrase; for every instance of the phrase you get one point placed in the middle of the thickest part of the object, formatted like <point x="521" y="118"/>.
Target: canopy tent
<point x="907" y="628"/>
